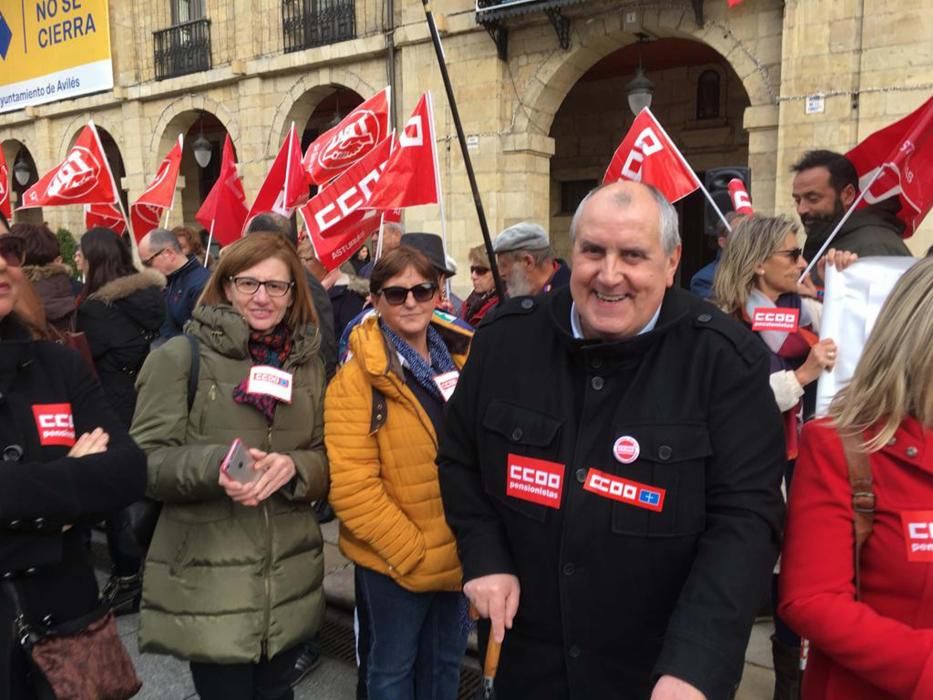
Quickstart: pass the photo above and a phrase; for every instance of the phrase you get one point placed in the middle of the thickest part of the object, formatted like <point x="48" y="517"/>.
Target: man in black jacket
<point x="610" y="467"/>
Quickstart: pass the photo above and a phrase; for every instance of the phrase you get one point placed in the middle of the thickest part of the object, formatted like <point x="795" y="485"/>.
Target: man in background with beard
<point x="527" y="263"/>
<point x="825" y="186"/>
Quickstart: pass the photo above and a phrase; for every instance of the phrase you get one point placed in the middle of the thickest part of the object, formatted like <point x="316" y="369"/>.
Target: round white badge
<point x="626" y="449"/>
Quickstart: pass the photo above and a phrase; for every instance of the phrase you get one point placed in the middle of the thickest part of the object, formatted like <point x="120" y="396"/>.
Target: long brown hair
<point x="252" y="250"/>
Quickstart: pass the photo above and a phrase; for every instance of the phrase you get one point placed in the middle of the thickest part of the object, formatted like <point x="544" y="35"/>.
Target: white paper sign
<point x="851" y="305"/>
<point x="815" y="104"/>
<point x="447" y="382"/>
<point x="270" y="381"/>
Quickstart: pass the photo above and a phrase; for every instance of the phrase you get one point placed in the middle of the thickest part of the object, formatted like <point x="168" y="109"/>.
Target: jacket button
<point x="665" y="452"/>
<point x="12" y="453"/>
<point x="597" y="383"/>
<point x="574" y="651"/>
<point x="30" y="571"/>
<point x="517" y="434"/>
<point x="7" y="574"/>
<point x="47" y="620"/>
<point x="704" y="318"/>
<point x="581" y="475"/>
<point x="39" y="522"/>
<point x="596" y="363"/>
<point x="912" y="451"/>
<point x="569" y="569"/>
<point x="14" y="524"/>
<point x="527" y="304"/>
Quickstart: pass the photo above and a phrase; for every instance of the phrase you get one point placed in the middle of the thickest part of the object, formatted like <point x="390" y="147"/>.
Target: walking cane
<point x="490" y="664"/>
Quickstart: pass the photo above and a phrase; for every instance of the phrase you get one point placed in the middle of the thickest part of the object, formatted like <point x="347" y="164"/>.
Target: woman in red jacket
<point x="877" y="645"/>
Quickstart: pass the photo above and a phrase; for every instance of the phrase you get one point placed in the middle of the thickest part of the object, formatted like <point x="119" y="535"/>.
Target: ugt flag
<point x="285" y="187"/>
<point x="223" y="212"/>
<point x="157" y="197"/>
<point x="5" y="207"/>
<point x="356" y="135"/>
<point x="647" y="155"/>
<point x="84" y="177"/>
<point x="106" y="216"/>
<point x="903" y="153"/>
<point x="410" y="176"/>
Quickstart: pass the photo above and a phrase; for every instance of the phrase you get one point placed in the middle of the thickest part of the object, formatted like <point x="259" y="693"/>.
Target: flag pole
<point x="455" y="113"/>
<point x="210" y="237"/>
<point x="134" y="249"/>
<point x="683" y="160"/>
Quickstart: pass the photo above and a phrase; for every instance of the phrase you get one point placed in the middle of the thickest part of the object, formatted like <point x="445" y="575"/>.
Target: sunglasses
<point x="396" y="296"/>
<point x="478" y="269"/>
<point x="12" y="250"/>
<point x="249" y="285"/>
<point x="794" y="253"/>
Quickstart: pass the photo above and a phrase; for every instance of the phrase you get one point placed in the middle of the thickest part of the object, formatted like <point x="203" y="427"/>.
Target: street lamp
<point x="639" y="89"/>
<point x="202" y="148"/>
<point x="21" y="170"/>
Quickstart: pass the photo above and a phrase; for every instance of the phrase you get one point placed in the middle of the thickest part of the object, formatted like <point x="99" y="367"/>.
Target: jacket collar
<point x="35" y="273"/>
<point x="184" y="269"/>
<point x="123" y="287"/>
<point x="911" y="443"/>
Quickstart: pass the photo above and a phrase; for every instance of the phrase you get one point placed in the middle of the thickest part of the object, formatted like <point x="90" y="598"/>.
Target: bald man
<point x="610" y="466"/>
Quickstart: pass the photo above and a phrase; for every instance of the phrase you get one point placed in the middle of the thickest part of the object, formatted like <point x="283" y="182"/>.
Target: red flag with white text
<point x="356" y="135"/>
<point x="741" y="202"/>
<point x="354" y="231"/>
<point x="5" y="207"/>
<point x="410" y="176"/>
<point x="146" y="211"/>
<point x="104" y="215"/>
<point x="903" y="152"/>
<point x="285" y="187"/>
<point x="223" y="212"/>
<point x="647" y="155"/>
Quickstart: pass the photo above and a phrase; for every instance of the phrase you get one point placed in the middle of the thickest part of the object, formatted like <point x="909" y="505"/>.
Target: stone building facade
<point x="543" y="107"/>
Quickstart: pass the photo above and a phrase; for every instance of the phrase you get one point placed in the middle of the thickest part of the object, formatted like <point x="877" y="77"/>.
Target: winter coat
<point x="477" y="306"/>
<point x="633" y="487"/>
<point x="347" y="297"/>
<point x="54" y="286"/>
<point x="874" y="230"/>
<point x="42" y="489"/>
<point x="384" y="484"/>
<point x="182" y="290"/>
<point x="120" y="320"/>
<point x="880" y="647"/>
<point x="223" y="582"/>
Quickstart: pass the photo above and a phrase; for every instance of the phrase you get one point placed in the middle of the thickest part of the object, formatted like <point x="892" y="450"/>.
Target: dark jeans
<point x="266" y="680"/>
<point x="417" y="640"/>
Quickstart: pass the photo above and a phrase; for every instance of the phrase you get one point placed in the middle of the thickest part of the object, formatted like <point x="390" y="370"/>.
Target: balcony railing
<point x="309" y="23"/>
<point x="182" y="49"/>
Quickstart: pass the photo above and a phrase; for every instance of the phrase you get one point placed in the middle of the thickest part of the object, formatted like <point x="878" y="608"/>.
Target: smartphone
<point x="238" y="465"/>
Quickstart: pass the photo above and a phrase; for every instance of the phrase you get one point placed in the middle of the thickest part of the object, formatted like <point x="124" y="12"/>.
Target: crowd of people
<point x="597" y="465"/>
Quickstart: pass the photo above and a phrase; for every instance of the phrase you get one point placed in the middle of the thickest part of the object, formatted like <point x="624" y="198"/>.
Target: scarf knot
<point x="424" y="373"/>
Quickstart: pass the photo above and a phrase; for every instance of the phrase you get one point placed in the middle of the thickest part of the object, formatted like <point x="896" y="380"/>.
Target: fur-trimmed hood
<point x="123" y="287"/>
<point x="138" y="296"/>
<point x="36" y="273"/>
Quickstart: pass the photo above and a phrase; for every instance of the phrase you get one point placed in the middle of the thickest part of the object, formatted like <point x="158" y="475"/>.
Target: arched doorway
<point x="115" y="161"/>
<point x="698" y="98"/>
<point x="23" y="175"/>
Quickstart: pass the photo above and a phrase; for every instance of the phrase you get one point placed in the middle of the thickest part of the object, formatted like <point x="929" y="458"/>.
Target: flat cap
<point x="523" y="236"/>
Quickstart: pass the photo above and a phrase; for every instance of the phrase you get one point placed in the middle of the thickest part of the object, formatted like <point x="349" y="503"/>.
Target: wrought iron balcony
<point x="182" y="49"/>
<point x="309" y="23"/>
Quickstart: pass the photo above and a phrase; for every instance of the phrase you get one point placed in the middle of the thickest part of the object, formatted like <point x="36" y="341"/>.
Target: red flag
<point x="335" y="218"/>
<point x="356" y="135"/>
<point x="903" y="153"/>
<point x="84" y="177"/>
<point x="223" y="212"/>
<point x="285" y="187"/>
<point x="741" y="202"/>
<point x="647" y="155"/>
<point x="410" y="177"/>
<point x="5" y="207"/>
<point x="146" y="211"/>
<point x="733" y="3"/>
<point x="105" y="215"/>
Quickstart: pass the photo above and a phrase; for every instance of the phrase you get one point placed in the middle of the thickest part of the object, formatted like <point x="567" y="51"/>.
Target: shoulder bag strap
<point x="863" y="499"/>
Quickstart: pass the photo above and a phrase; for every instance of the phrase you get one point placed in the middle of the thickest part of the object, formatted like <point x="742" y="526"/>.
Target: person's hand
<point x="671" y="688"/>
<point x="822" y="357"/>
<point x="330" y="279"/>
<point x="495" y="596"/>
<point x="807" y="288"/>
<point x="840" y="259"/>
<point x="277" y="470"/>
<point x="91" y="443"/>
<point x="236" y="491"/>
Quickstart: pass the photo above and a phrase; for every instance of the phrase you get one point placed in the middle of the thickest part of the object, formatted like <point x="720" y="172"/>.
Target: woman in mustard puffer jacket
<point x="381" y="417"/>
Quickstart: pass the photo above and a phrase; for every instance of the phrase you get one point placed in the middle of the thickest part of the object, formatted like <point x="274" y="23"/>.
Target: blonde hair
<point x="894" y="376"/>
<point x="754" y="239"/>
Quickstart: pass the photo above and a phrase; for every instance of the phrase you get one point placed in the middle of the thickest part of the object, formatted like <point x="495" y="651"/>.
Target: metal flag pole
<point x="134" y="249"/>
<point x="210" y="238"/>
<point x="455" y="113"/>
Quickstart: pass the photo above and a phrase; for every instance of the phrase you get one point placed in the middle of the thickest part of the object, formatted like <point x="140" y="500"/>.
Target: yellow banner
<point x="52" y="50"/>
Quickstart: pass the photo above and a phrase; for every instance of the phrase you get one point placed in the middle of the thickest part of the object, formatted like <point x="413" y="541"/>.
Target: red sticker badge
<point x="626" y="449"/>
<point x="918" y="534"/>
<point x="535" y="480"/>
<point x="774" y="319"/>
<point x="54" y="424"/>
<point x="624" y="490"/>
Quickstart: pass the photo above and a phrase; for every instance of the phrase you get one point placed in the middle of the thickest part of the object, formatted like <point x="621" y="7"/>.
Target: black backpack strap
<point x="194" y="370"/>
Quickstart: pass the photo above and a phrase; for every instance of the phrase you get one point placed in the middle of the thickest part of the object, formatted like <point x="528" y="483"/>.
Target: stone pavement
<point x="166" y="678"/>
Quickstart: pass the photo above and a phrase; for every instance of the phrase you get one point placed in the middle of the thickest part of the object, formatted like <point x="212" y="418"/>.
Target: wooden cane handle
<point x="491" y="664"/>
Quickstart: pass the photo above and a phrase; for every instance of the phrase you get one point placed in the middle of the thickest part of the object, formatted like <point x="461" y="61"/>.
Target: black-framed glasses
<point x="12" y="250"/>
<point x="148" y="261"/>
<point x="396" y="296"/>
<point x="792" y="253"/>
<point x="478" y="269"/>
<point x="251" y="285"/>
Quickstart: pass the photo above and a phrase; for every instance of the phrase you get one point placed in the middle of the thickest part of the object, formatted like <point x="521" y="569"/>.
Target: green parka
<point x="223" y="582"/>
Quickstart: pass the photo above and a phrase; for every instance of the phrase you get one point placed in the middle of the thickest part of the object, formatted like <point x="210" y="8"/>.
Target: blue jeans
<point x="417" y="640"/>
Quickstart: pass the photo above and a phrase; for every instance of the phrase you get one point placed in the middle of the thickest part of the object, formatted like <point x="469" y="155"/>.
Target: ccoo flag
<point x="157" y="197"/>
<point x="901" y="155"/>
<point x="84" y="177"/>
<point x="285" y="187"/>
<point x="223" y="212"/>
<point x="647" y="155"/>
<point x="5" y="207"/>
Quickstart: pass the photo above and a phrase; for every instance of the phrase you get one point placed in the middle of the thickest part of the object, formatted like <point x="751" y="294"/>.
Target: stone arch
<point x="555" y="77"/>
<point x="305" y="94"/>
<point x="177" y="117"/>
<point x="72" y="128"/>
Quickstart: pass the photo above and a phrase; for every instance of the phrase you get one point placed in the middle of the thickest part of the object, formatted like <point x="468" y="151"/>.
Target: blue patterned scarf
<point x="423" y="372"/>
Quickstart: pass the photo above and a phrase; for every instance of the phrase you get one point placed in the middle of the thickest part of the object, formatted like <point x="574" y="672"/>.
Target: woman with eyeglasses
<point x="232" y="580"/>
<point x="483" y="298"/>
<point x="382" y="414"/>
<point x="757" y="282"/>
<point x="65" y="461"/>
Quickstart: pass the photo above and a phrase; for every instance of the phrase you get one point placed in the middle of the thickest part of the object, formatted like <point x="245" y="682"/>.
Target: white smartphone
<point x="238" y="465"/>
